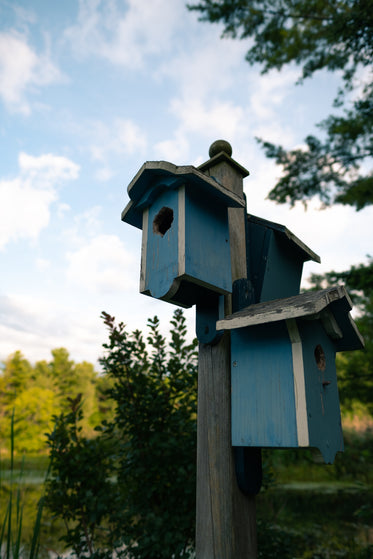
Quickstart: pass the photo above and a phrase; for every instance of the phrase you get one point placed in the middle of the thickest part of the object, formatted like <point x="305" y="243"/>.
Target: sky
<point x="89" y="91"/>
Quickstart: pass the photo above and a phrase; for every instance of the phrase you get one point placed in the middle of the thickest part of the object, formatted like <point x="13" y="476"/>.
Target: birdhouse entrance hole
<point x="163" y="221"/>
<point x="320" y="358"/>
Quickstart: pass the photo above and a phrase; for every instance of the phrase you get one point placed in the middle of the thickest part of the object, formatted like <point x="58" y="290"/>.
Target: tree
<point x="316" y="35"/>
<point x="16" y="376"/>
<point x="34" y="393"/>
<point x="132" y="489"/>
<point x="337" y="167"/>
<point x="33" y="411"/>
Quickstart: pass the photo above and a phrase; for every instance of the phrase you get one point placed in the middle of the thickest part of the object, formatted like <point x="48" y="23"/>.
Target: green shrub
<point x="132" y="489"/>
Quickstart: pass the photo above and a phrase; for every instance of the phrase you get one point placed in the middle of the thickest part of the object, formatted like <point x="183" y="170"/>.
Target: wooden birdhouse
<point x="185" y="237"/>
<point x="283" y="373"/>
<point x="275" y="259"/>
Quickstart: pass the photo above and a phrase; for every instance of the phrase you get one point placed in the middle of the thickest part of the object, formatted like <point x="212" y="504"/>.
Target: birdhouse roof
<point x="287" y="236"/>
<point x="331" y="306"/>
<point x="156" y="176"/>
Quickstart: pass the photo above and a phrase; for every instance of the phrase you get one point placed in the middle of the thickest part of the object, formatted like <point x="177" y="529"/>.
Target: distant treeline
<point x="36" y="393"/>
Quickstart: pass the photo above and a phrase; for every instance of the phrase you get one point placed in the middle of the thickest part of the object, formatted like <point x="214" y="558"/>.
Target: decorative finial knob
<point x="219" y="146"/>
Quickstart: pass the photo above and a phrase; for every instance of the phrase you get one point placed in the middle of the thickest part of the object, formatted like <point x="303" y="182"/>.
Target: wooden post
<point x="226" y="518"/>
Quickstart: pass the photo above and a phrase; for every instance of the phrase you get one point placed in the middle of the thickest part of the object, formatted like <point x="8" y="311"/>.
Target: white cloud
<point x="209" y="119"/>
<point x="43" y="263"/>
<point x="85" y="225"/>
<point x="36" y="325"/>
<point x="48" y="168"/>
<point x="102" y="265"/>
<point x="104" y="174"/>
<point x="25" y="200"/>
<point x="20" y="69"/>
<point x="269" y="92"/>
<point x="202" y="76"/>
<point x="174" y="149"/>
<point x="122" y="137"/>
<point x="124" y="33"/>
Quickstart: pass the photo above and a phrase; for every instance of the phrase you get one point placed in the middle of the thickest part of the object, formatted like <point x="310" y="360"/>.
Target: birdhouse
<point x="185" y="237"/>
<point x="283" y="373"/>
<point x="275" y="259"/>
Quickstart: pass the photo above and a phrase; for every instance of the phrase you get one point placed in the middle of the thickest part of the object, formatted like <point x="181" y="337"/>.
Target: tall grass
<point x="11" y="546"/>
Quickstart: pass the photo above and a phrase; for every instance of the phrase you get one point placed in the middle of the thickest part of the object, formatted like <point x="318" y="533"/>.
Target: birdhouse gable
<point x="286" y="236"/>
<point x="157" y="176"/>
<point x="276" y="257"/>
<point x="185" y="234"/>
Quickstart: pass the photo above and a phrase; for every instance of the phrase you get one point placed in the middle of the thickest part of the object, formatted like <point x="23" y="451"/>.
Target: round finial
<point x="218" y="146"/>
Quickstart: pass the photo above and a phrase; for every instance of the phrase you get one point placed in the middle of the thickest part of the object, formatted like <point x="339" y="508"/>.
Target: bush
<point x="132" y="489"/>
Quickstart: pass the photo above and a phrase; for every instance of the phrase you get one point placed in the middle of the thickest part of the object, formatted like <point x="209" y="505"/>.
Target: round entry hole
<point x="320" y="358"/>
<point x="163" y="221"/>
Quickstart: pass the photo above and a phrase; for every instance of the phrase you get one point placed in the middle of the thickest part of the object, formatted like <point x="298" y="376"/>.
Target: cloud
<point x="124" y="33"/>
<point x="36" y="325"/>
<point x="122" y="137"/>
<point x="269" y="92"/>
<point x="25" y="200"/>
<point x="202" y="75"/>
<point x="209" y="119"/>
<point x="21" y="69"/>
<point x="47" y="168"/>
<point x="102" y="265"/>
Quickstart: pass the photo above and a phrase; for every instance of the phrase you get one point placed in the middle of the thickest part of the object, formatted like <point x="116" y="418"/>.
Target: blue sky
<point x="91" y="89"/>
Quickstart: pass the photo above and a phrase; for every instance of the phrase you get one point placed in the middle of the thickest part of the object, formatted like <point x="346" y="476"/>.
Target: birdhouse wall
<point x="192" y="256"/>
<point x="323" y="410"/>
<point x="275" y="267"/>
<point x="207" y="250"/>
<point x="160" y="253"/>
<point x="284" y="387"/>
<point x="263" y="400"/>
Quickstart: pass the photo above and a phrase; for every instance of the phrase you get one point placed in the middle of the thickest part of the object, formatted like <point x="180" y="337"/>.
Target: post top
<point x="218" y="146"/>
<point x="221" y="151"/>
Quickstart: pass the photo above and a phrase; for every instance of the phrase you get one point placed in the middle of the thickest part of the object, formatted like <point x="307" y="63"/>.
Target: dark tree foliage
<point x="314" y="34"/>
<point x="79" y="489"/>
<point x="131" y="490"/>
<point x="156" y="398"/>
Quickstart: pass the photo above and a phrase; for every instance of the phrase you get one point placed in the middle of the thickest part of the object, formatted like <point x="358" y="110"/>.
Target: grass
<point x="309" y="510"/>
<point x="315" y="511"/>
<point x="23" y="480"/>
<point x="12" y="536"/>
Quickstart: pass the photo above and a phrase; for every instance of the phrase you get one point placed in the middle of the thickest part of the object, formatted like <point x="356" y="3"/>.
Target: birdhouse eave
<point x="286" y="235"/>
<point x="331" y="305"/>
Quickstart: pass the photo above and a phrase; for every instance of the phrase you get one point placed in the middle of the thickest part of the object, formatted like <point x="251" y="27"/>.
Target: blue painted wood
<point x="282" y="272"/>
<point x="156" y="174"/>
<point x="275" y="259"/>
<point x="185" y="270"/>
<point x="192" y="258"/>
<point x="162" y="252"/>
<point x="207" y="250"/>
<point x="263" y="403"/>
<point x="324" y="419"/>
<point x="208" y="311"/>
<point x="263" y="398"/>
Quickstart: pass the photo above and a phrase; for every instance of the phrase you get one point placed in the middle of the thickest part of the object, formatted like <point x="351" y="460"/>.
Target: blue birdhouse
<point x="283" y="373"/>
<point x="275" y="259"/>
<point x="185" y="236"/>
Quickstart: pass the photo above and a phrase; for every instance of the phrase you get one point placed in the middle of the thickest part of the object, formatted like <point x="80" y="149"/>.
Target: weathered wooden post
<point x="226" y="518"/>
<point x="267" y="353"/>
